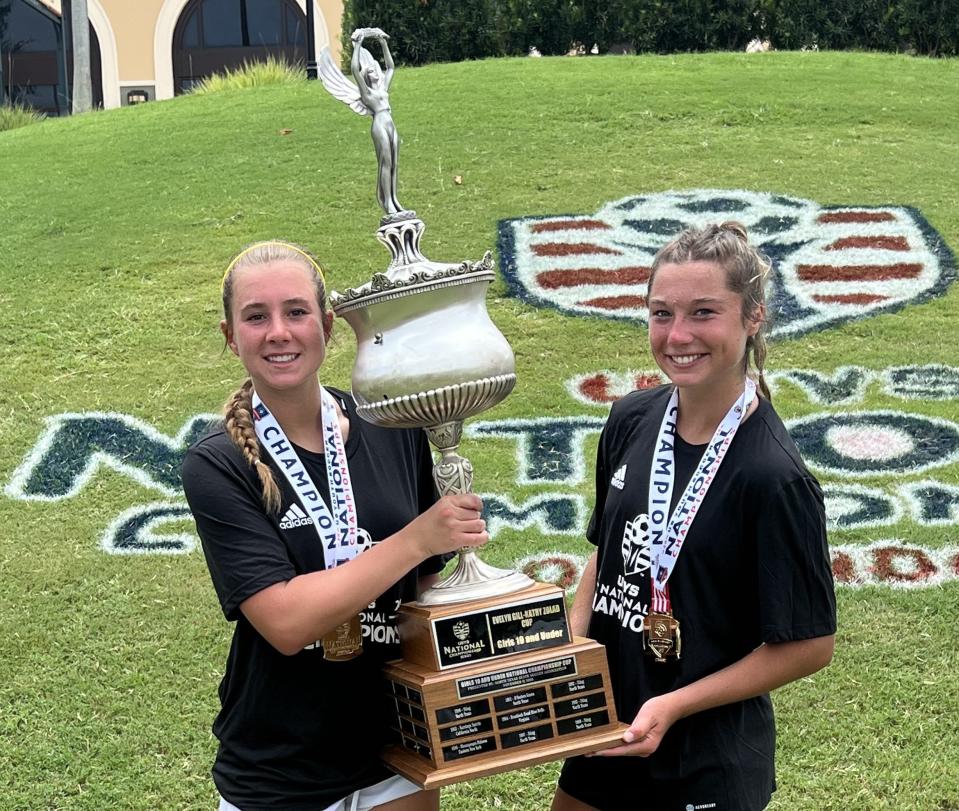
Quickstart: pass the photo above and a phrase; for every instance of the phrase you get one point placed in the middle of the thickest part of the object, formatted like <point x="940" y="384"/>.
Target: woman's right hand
<point x="451" y="523"/>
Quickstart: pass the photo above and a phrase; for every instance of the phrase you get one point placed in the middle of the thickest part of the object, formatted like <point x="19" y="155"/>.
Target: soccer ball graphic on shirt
<point x="635" y="547"/>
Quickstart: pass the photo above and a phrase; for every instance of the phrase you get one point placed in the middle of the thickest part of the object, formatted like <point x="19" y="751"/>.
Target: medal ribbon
<point x="336" y="529"/>
<point x="668" y="532"/>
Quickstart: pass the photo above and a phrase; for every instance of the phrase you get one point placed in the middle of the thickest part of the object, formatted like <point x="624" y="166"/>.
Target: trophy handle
<point x="472" y="579"/>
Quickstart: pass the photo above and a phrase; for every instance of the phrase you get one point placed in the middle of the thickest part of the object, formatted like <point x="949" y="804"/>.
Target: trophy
<point x="490" y="678"/>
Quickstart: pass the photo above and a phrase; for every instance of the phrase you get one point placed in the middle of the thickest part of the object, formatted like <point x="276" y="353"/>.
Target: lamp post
<point x="82" y="94"/>
<point x="4" y="12"/>
<point x="311" y="70"/>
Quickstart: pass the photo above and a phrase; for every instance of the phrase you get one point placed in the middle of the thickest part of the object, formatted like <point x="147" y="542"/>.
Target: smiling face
<point x="277" y="326"/>
<point x="697" y="330"/>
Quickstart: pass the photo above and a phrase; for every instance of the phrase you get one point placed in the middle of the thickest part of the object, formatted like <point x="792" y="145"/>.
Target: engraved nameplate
<point x="519" y="717"/>
<point x="522" y="736"/>
<point x="466" y="728"/>
<point x="417" y="747"/>
<point x="516" y="677"/>
<point x="565" y="726"/>
<point x="505" y="629"/>
<point x="584" y="685"/>
<point x="461" y="712"/>
<point x="469" y="748"/>
<point x="571" y="706"/>
<point x="405" y="708"/>
<point x="409" y="728"/>
<point x="522" y="699"/>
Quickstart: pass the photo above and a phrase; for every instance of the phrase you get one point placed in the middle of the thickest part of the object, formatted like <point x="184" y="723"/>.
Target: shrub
<point x="836" y="25"/>
<point x="253" y="74"/>
<point x="13" y="116"/>
<point x="450" y="30"/>
<point x="552" y="26"/>
<point x="927" y="28"/>
<point x="429" y="30"/>
<point x="668" y="26"/>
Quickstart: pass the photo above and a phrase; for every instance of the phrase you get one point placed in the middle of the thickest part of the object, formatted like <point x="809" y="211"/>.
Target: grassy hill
<point x="116" y="228"/>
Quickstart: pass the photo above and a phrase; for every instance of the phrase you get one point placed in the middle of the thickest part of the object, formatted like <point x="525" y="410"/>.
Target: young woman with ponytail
<point x="315" y="526"/>
<point x="711" y="584"/>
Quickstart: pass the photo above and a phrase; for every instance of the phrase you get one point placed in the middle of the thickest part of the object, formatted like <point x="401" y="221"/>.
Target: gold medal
<point x="661" y="636"/>
<point x="344" y="642"/>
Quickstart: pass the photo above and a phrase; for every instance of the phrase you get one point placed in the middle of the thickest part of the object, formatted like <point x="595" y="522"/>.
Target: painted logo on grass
<point x="831" y="264"/>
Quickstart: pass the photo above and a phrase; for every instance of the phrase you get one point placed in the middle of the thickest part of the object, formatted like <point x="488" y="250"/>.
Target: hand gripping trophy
<point x="490" y="677"/>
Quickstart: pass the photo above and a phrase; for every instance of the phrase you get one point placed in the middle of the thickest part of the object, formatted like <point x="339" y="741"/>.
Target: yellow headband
<point x="288" y="245"/>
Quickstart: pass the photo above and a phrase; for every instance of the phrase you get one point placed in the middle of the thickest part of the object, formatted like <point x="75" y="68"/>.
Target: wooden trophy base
<point x="497" y="711"/>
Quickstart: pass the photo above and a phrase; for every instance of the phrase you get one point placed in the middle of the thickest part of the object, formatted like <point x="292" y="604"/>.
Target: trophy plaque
<point x="493" y="684"/>
<point x="490" y="678"/>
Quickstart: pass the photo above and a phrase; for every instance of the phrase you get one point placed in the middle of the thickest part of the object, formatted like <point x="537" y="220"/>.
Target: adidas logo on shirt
<point x="295" y="517"/>
<point x="619" y="478"/>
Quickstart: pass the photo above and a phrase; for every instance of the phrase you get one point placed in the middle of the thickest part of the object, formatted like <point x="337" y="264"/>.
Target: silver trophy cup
<point x="428" y="355"/>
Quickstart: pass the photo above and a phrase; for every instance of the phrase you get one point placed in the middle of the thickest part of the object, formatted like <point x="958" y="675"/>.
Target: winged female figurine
<point x="370" y="96"/>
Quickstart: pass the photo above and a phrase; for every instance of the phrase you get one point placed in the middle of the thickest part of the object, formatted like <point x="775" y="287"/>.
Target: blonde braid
<point x="238" y="418"/>
<point x="758" y="344"/>
<point x="754" y="302"/>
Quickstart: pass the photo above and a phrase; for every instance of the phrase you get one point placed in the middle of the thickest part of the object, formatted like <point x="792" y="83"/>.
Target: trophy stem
<point x="472" y="579"/>
<point x="452" y="473"/>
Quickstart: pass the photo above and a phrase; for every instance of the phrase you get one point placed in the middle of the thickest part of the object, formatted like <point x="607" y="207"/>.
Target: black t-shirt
<point x="299" y="732"/>
<point x="754" y="568"/>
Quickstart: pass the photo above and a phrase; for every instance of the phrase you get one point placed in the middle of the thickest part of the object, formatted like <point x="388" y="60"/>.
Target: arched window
<point x="37" y="68"/>
<point x="212" y="36"/>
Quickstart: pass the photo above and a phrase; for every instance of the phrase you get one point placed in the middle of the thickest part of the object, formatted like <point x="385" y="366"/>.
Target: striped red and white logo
<point x="831" y="264"/>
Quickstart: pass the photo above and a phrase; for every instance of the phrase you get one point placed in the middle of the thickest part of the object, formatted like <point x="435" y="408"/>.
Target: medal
<point x="344" y="642"/>
<point x="336" y="526"/>
<point x="668" y="532"/>
<point x="661" y="636"/>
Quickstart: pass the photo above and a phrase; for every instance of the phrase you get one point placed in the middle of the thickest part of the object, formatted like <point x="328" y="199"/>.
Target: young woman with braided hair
<point x="315" y="526"/>
<point x="711" y="584"/>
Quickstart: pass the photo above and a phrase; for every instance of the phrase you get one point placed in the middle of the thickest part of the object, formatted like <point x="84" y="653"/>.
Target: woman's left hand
<point x="646" y="732"/>
<point x="767" y="667"/>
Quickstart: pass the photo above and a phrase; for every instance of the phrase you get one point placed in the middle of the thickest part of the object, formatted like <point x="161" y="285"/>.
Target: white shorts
<point x="363" y="799"/>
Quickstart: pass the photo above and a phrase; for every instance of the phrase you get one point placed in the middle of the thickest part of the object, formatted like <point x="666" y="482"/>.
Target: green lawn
<point x="116" y="227"/>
